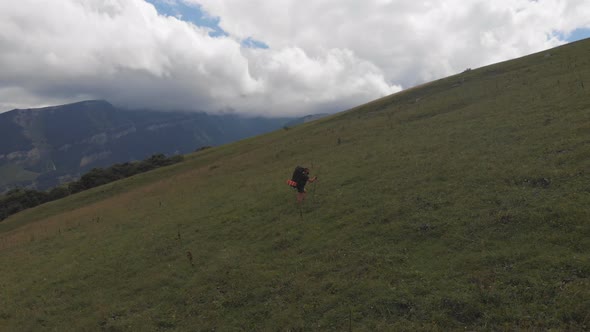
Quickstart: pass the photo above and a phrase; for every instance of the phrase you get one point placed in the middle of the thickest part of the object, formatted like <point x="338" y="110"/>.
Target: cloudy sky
<point x="279" y="57"/>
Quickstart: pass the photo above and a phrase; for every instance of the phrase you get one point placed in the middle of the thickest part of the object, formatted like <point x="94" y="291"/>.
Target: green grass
<point x="461" y="204"/>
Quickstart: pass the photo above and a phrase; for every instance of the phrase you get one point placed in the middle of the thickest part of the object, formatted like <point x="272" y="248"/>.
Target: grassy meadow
<point x="459" y="204"/>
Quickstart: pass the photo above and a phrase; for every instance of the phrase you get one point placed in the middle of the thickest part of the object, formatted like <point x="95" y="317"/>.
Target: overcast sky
<point x="279" y="57"/>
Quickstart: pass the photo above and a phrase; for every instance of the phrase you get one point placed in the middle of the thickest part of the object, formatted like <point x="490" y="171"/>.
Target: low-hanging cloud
<point x="323" y="55"/>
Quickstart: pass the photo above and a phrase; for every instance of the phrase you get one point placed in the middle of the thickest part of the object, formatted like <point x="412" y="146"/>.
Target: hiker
<point x="299" y="180"/>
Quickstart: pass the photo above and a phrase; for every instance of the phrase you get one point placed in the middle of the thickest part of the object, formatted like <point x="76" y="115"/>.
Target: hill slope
<point x="458" y="204"/>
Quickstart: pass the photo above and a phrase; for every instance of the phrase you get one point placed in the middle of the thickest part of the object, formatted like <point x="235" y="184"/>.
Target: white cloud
<point x="410" y="41"/>
<point x="324" y="55"/>
<point x="122" y="51"/>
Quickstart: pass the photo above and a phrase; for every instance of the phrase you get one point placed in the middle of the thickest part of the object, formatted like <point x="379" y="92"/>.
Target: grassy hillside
<point x="460" y="204"/>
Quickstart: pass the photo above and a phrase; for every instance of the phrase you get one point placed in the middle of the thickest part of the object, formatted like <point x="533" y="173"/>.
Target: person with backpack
<point x="299" y="180"/>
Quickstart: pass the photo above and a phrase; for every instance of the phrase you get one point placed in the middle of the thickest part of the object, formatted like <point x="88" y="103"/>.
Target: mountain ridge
<point x="59" y="143"/>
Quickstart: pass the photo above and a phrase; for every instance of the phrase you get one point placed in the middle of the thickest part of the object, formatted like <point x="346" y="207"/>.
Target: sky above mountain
<point x="280" y="57"/>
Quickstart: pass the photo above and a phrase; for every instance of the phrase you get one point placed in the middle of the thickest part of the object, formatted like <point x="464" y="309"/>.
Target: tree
<point x="58" y="192"/>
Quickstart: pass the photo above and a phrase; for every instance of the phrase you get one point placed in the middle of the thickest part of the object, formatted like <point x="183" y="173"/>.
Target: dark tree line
<point x="20" y="199"/>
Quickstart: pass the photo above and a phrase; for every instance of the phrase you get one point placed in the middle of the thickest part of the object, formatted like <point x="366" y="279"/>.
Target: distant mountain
<point x="42" y="147"/>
